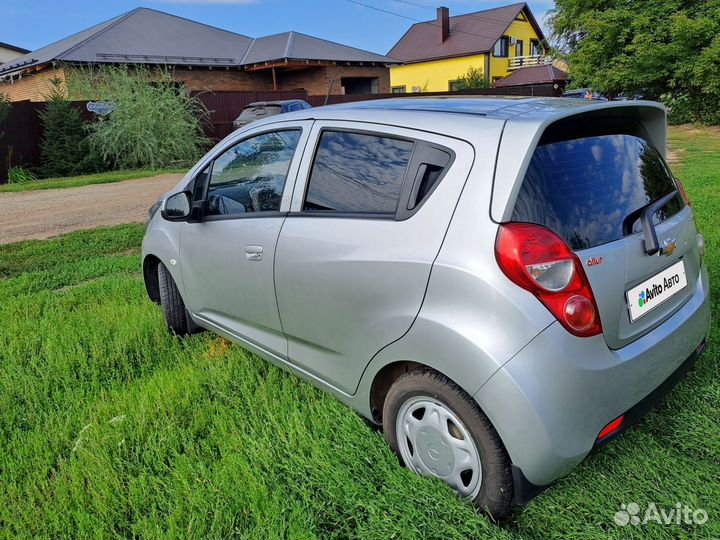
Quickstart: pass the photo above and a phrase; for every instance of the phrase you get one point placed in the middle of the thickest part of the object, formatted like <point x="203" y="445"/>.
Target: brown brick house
<point x="202" y="57"/>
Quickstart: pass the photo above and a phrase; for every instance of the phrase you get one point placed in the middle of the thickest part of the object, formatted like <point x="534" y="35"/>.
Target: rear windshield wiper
<point x="645" y="214"/>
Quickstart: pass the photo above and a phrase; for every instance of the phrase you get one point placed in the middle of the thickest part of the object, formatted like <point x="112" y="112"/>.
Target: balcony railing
<point x="518" y="62"/>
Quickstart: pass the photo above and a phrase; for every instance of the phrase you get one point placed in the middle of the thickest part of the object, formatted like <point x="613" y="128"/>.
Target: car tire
<point x="445" y="398"/>
<point x="176" y="315"/>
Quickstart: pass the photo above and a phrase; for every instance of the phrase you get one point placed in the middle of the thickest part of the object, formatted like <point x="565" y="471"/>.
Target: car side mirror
<point x="177" y="207"/>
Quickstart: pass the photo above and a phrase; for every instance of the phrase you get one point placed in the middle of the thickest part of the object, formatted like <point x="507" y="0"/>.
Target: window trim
<point x="401" y="212"/>
<point x="211" y="165"/>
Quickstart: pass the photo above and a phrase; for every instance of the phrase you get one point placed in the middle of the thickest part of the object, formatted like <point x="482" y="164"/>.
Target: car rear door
<point x="368" y="216"/>
<point x="592" y="184"/>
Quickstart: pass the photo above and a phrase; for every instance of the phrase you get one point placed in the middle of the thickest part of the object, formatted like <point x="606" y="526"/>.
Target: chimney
<point x="443" y="21"/>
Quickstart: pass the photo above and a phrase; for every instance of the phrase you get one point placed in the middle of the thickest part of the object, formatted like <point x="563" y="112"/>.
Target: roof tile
<point x="532" y="75"/>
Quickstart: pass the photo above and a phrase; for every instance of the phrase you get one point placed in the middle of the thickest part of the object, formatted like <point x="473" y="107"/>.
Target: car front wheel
<point x="438" y="430"/>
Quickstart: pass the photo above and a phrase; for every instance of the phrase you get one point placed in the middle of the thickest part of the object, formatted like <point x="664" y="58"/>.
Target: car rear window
<point x="357" y="173"/>
<point x="583" y="188"/>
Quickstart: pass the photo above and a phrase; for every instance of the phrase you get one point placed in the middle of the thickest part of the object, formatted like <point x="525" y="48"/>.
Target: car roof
<point x="413" y="111"/>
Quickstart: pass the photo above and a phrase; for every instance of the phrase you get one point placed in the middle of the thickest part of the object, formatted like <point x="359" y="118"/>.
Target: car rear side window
<point x="357" y="173"/>
<point x="584" y="188"/>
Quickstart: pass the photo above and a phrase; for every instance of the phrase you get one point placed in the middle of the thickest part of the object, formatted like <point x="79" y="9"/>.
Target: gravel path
<point x="45" y="213"/>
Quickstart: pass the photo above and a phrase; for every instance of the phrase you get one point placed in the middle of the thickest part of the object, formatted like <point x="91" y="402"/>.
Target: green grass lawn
<point x="84" y="180"/>
<point x="110" y="427"/>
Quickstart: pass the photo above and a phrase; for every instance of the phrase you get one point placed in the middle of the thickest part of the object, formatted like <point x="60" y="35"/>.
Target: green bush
<point x="154" y="122"/>
<point x="64" y="148"/>
<point x="472" y="78"/>
<point x="20" y="175"/>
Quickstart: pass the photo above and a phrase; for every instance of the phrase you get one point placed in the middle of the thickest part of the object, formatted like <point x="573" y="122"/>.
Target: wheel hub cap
<point x="433" y="441"/>
<point x="434" y="451"/>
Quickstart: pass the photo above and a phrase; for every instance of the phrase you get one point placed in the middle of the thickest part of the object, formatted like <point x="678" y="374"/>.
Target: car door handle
<point x="254" y="253"/>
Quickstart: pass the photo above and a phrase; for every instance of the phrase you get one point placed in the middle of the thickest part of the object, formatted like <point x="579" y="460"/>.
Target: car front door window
<point x="250" y="176"/>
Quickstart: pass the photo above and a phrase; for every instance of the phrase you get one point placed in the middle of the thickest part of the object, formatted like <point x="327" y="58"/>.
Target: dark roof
<point x="148" y="36"/>
<point x="533" y="75"/>
<point x="143" y="36"/>
<point x="472" y="33"/>
<point x="297" y="46"/>
<point x="13" y="48"/>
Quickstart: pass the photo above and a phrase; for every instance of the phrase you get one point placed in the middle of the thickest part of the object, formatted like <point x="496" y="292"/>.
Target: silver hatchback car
<point x="502" y="284"/>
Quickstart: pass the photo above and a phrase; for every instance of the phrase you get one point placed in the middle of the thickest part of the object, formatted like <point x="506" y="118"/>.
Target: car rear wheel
<point x="176" y="315"/>
<point x="438" y="430"/>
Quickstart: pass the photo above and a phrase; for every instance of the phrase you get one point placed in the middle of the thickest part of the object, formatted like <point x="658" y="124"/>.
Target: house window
<point x="519" y="47"/>
<point x="456" y="85"/>
<point x="501" y="47"/>
<point x="399" y="89"/>
<point x="535" y="48"/>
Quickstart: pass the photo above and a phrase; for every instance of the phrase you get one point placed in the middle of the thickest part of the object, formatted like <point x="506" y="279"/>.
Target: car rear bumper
<point x="551" y="400"/>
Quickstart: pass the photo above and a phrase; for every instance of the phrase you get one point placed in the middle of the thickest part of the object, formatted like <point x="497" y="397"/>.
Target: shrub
<point x="64" y="149"/>
<point x="472" y="78"/>
<point x="19" y="175"/>
<point x="154" y="121"/>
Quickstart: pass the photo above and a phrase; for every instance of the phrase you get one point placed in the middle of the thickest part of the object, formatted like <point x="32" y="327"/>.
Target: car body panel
<point x="550" y="401"/>
<point x="624" y="265"/>
<point x="349" y="286"/>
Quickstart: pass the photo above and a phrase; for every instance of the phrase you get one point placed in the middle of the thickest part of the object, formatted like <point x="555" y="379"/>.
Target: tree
<point x="472" y="78"/>
<point x="667" y="49"/>
<point x="63" y="149"/>
<point x="154" y="122"/>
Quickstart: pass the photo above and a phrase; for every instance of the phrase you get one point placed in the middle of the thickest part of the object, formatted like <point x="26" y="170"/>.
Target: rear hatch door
<point x="591" y="185"/>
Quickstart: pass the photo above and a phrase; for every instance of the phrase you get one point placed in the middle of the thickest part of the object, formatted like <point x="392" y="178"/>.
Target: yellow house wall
<point x="435" y="75"/>
<point x="521" y="30"/>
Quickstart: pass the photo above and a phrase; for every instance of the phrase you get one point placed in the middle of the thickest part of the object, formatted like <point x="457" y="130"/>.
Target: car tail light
<point x="537" y="259"/>
<point x="682" y="191"/>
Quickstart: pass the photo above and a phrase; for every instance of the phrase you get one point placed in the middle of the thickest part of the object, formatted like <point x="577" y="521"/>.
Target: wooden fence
<point x="20" y="144"/>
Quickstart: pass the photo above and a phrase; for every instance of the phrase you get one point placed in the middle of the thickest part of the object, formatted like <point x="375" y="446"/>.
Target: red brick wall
<point x="33" y="86"/>
<point x="316" y="80"/>
<point x="223" y="80"/>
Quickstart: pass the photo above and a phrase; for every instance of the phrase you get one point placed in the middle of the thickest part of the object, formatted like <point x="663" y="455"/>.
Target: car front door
<point x="227" y="258"/>
<point x="369" y="213"/>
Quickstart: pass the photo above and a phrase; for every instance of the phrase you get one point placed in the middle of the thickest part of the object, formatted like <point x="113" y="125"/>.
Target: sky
<point x="32" y="24"/>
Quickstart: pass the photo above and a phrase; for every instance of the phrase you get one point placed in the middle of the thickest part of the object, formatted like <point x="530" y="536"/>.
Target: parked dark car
<point x="584" y="93"/>
<point x="628" y="97"/>
<point x="263" y="109"/>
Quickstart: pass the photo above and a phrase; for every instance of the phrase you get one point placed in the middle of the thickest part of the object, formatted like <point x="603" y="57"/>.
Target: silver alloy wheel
<point x="433" y="441"/>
